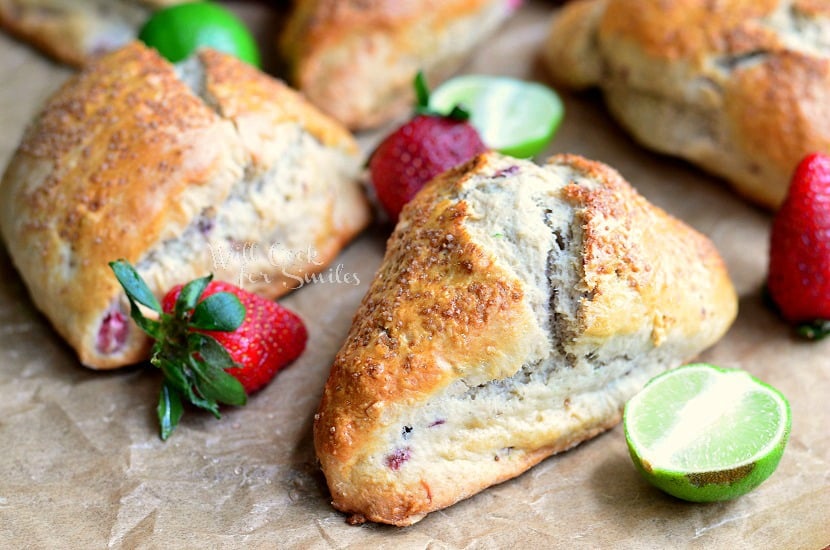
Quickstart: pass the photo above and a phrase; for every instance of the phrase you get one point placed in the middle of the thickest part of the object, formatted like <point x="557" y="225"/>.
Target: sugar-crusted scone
<point x="74" y="31"/>
<point x="738" y="88"/>
<point x="357" y="59"/>
<point x="210" y="166"/>
<point x="516" y="310"/>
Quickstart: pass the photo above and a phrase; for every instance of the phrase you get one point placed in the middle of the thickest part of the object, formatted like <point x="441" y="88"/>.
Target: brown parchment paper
<point x="82" y="466"/>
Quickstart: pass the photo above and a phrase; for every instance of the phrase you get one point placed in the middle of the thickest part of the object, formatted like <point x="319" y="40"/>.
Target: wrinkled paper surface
<point x="82" y="465"/>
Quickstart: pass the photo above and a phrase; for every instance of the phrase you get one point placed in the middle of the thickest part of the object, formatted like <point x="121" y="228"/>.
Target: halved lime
<point x="176" y="32"/>
<point x="704" y="433"/>
<point x="513" y="116"/>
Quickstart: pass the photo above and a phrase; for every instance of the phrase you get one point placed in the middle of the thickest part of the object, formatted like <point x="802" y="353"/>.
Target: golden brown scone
<point x="74" y="31"/>
<point x="357" y="59"/>
<point x="516" y="310"/>
<point x="740" y="88"/>
<point x="210" y="166"/>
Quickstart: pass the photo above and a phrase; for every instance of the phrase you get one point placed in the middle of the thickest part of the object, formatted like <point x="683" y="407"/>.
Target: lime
<point x="703" y="433"/>
<point x="514" y="117"/>
<point x="176" y="32"/>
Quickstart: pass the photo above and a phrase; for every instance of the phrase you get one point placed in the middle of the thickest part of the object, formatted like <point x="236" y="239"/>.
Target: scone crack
<point x="732" y="62"/>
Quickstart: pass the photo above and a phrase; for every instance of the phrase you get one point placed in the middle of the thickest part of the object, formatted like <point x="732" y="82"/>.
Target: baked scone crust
<point x="460" y="321"/>
<point x="128" y="161"/>
<point x="73" y="32"/>
<point x="356" y="59"/>
<point x="739" y="88"/>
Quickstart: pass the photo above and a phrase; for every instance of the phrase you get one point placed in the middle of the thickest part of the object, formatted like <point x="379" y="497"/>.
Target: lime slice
<point x="176" y="32"/>
<point x="514" y="117"/>
<point x="703" y="433"/>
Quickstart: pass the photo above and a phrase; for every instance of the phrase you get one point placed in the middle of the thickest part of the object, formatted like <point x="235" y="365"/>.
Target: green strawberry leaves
<point x="421" y="90"/>
<point x="815" y="330"/>
<point x="190" y="294"/>
<point x="138" y="293"/>
<point x="422" y="107"/>
<point x="169" y="409"/>
<point x="135" y="287"/>
<point x="221" y="311"/>
<point x="193" y="363"/>
<point x="216" y="383"/>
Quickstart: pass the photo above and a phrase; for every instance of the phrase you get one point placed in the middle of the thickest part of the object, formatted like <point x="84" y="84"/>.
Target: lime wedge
<point x="514" y="117"/>
<point x="178" y="31"/>
<point x="703" y="433"/>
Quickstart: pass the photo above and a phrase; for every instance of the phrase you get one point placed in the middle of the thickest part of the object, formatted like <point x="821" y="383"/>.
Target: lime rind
<point x="711" y="486"/>
<point x="720" y="458"/>
<point x="514" y="117"/>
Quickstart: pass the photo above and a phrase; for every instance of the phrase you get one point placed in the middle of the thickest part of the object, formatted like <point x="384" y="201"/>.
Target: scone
<point x="210" y="166"/>
<point x="357" y="59"/>
<point x="516" y="310"/>
<point x="74" y="31"/>
<point x="739" y="88"/>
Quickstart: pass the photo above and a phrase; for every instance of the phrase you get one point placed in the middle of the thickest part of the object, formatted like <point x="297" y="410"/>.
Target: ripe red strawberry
<point x="269" y="338"/>
<point x="799" y="265"/>
<point x="214" y="342"/>
<point x="420" y="150"/>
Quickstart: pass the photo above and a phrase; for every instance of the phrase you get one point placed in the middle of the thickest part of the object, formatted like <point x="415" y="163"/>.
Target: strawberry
<point x="214" y="342"/>
<point x="799" y="260"/>
<point x="419" y="150"/>
<point x="270" y="338"/>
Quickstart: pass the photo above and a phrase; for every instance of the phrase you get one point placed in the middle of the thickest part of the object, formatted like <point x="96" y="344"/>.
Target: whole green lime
<point x="178" y="31"/>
